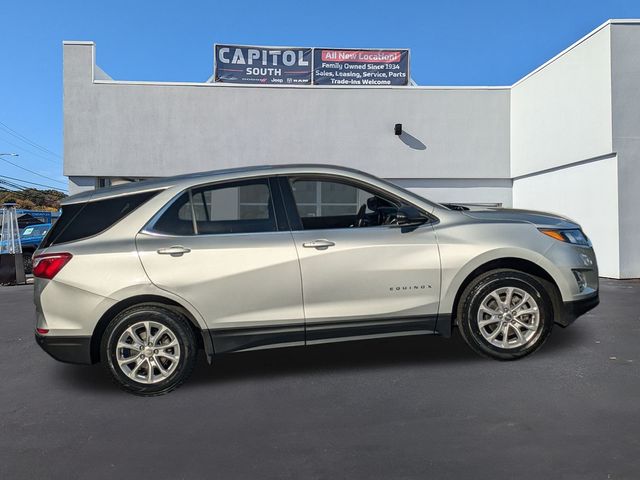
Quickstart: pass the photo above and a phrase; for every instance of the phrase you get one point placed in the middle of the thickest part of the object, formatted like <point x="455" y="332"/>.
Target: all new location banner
<point x="360" y="67"/>
<point x="262" y="65"/>
<point x="248" y="64"/>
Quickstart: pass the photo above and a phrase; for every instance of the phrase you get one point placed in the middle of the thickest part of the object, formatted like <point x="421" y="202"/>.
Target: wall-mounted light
<point x="398" y="129"/>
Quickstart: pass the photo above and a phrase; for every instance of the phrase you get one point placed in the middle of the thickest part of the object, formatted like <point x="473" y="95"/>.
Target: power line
<point x="27" y="181"/>
<point x="19" y="191"/>
<point x="11" y="131"/>
<point x="31" y="171"/>
<point x="15" y="189"/>
<point x="30" y="183"/>
<point x="57" y="162"/>
<point x="12" y="185"/>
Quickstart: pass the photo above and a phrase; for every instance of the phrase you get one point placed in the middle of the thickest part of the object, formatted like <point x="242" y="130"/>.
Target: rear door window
<point x="237" y="207"/>
<point x="83" y="220"/>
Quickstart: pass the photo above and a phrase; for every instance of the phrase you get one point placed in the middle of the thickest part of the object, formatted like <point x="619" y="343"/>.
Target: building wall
<point x="81" y="184"/>
<point x="561" y="112"/>
<point x="455" y="190"/>
<point x="446" y="190"/>
<point x="625" y="43"/>
<point x="586" y="193"/>
<point x="562" y="155"/>
<point x="173" y="129"/>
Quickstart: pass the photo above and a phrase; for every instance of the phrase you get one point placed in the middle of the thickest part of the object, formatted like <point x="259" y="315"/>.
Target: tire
<point x="170" y="363"/>
<point x="531" y="301"/>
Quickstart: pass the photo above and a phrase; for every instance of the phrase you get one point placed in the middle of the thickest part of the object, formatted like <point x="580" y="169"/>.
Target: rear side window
<point x="238" y="207"/>
<point x="82" y="220"/>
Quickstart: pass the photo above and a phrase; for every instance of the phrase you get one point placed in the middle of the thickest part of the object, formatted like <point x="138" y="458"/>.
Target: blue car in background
<point x="30" y="238"/>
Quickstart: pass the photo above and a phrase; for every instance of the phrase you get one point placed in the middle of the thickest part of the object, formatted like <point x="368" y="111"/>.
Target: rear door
<point x="226" y="249"/>
<point x="362" y="274"/>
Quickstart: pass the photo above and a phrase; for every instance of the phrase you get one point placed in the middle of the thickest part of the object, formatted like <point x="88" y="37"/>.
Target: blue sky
<point x="452" y="43"/>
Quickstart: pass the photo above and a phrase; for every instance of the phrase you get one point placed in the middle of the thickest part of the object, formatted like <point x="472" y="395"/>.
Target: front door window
<point x="324" y="204"/>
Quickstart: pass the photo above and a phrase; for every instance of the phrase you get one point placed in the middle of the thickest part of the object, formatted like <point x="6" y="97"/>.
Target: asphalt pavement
<point x="412" y="407"/>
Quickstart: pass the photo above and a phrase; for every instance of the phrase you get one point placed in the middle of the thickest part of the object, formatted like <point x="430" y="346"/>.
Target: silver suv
<point x="141" y="276"/>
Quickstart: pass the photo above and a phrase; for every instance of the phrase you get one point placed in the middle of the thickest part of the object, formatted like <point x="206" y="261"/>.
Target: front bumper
<point x="572" y="310"/>
<point x="66" y="349"/>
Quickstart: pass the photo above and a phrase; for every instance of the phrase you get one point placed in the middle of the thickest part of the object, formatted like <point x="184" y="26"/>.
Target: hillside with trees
<point x="33" y="199"/>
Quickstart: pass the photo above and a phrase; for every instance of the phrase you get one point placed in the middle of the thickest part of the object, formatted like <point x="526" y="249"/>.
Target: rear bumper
<point x="67" y="349"/>
<point x="572" y="310"/>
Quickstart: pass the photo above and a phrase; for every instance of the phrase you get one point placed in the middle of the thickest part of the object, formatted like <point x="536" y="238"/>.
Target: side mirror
<point x="409" y="216"/>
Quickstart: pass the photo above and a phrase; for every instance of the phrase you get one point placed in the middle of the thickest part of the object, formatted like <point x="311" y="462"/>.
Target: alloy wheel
<point x="508" y="318"/>
<point x="148" y="352"/>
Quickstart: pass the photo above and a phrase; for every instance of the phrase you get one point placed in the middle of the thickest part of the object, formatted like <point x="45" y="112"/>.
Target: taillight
<point x="42" y="331"/>
<point x="49" y="264"/>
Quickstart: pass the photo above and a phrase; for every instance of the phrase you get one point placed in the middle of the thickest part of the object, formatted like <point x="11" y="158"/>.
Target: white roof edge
<point x="572" y="46"/>
<point x="315" y="87"/>
<point x="623" y="21"/>
<point x="78" y="42"/>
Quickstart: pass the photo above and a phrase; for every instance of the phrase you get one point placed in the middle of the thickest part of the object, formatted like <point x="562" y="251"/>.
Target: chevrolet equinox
<point x="142" y="276"/>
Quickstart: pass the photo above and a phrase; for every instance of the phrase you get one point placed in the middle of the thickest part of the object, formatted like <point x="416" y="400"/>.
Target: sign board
<point x="360" y="67"/>
<point x="262" y="65"/>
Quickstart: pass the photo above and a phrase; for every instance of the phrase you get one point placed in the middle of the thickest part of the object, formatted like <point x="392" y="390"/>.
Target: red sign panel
<point x="363" y="56"/>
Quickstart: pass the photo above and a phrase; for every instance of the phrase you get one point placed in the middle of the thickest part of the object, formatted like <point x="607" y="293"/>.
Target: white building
<point x="565" y="138"/>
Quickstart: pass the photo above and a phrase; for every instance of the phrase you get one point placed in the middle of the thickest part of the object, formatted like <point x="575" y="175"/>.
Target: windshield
<point x="34" y="231"/>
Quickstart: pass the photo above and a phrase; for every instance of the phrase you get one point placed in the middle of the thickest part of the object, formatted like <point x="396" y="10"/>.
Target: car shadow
<point x="427" y="350"/>
<point x="562" y="339"/>
<point x="362" y="355"/>
<point x="85" y="377"/>
<point x="344" y="356"/>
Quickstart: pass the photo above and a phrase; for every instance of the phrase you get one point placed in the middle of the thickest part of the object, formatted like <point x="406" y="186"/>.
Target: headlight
<point x="574" y="235"/>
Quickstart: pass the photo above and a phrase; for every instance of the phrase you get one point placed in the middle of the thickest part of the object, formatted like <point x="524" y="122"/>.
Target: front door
<point x="362" y="275"/>
<point x="224" y="249"/>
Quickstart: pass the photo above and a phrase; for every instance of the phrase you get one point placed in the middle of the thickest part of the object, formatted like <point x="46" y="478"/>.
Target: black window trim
<point x="291" y="208"/>
<point x="194" y="222"/>
<point x="289" y="201"/>
<point x="276" y="197"/>
<point x="54" y="243"/>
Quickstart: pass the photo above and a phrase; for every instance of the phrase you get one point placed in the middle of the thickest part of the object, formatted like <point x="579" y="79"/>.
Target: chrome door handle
<point x="319" y="244"/>
<point x="175" y="251"/>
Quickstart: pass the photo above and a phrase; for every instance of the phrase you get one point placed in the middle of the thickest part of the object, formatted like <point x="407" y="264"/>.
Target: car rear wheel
<point x="149" y="350"/>
<point x="505" y="314"/>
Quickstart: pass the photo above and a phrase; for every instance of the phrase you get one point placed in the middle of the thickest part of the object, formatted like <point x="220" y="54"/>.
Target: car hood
<point x="539" y="219"/>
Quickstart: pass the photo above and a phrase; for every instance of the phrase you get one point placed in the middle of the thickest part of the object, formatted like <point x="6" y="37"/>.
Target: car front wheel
<point x="149" y="350"/>
<point x="505" y="314"/>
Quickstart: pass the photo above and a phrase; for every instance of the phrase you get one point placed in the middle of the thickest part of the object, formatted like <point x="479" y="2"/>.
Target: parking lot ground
<point x="412" y="407"/>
